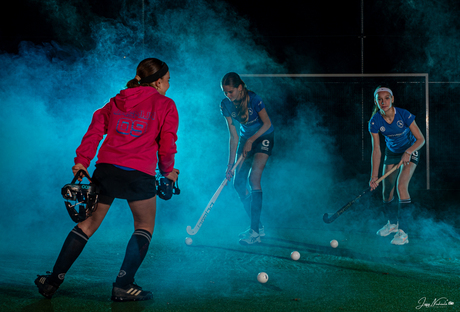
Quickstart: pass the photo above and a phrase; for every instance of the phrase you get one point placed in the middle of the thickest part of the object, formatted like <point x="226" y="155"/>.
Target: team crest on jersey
<point x="234" y="115"/>
<point x="382" y="128"/>
<point x="400" y="124"/>
<point x="250" y="111"/>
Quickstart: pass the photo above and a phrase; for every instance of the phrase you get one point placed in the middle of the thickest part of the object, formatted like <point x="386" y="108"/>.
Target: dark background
<point x="322" y="36"/>
<point x="318" y="37"/>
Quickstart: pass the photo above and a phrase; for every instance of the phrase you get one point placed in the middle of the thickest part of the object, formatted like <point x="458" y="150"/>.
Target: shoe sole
<point x="242" y="242"/>
<point x="405" y="242"/>
<point x="122" y="299"/>
<point x="244" y="235"/>
<point x="378" y="233"/>
<point x="47" y="295"/>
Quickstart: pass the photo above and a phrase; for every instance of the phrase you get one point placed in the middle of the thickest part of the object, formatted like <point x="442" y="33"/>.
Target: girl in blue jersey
<point x="254" y="143"/>
<point x="403" y="141"/>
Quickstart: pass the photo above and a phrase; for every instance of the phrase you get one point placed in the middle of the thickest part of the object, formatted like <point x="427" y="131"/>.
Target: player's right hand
<point x="77" y="168"/>
<point x="229" y="172"/>
<point x="372" y="183"/>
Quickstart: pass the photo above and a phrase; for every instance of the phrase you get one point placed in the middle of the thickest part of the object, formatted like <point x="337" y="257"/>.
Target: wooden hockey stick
<point x="330" y="217"/>
<point x="208" y="208"/>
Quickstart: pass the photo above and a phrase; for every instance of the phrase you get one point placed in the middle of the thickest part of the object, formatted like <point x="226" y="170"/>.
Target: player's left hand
<point x="173" y="175"/>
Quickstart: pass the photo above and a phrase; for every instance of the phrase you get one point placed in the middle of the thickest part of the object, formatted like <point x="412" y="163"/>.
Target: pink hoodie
<point x="139" y="123"/>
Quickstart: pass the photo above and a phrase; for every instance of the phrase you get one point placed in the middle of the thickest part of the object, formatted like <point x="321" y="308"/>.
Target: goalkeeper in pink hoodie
<point x="140" y="124"/>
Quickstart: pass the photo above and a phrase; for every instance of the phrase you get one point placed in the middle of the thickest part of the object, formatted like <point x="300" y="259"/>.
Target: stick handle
<point x="388" y="173"/>
<point x="237" y="163"/>
<point x="234" y="167"/>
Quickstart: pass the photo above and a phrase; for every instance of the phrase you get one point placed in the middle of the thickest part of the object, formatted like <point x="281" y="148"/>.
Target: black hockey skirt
<point x="264" y="144"/>
<point x="115" y="182"/>
<point x="392" y="158"/>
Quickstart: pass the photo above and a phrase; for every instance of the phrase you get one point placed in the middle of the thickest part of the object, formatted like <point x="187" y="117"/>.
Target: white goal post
<point x="421" y="75"/>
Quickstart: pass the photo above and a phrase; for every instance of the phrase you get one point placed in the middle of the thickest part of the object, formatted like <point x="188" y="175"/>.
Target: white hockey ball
<point x="262" y="277"/>
<point x="188" y="241"/>
<point x="295" y="255"/>
<point x="334" y="243"/>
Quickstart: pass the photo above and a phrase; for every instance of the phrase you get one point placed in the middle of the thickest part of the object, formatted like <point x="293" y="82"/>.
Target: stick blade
<point x="329" y="217"/>
<point x="190" y="231"/>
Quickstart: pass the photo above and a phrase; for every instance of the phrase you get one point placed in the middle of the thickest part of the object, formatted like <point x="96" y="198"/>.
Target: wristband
<point x="408" y="153"/>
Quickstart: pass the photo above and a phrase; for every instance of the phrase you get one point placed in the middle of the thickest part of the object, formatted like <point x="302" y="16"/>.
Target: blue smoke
<point x="56" y="87"/>
<point x="49" y="91"/>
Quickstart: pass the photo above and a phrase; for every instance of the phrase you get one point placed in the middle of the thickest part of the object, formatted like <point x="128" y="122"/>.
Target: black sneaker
<point x="44" y="286"/>
<point x="130" y="292"/>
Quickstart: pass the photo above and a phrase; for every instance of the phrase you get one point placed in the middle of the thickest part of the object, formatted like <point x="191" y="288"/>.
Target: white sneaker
<point x="388" y="229"/>
<point x="251" y="238"/>
<point x="400" y="238"/>
<point x="246" y="233"/>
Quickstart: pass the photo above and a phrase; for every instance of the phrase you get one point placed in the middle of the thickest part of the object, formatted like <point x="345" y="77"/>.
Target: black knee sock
<point x="72" y="248"/>
<point x="390" y="211"/>
<point x="136" y="250"/>
<point x="404" y="212"/>
<point x="256" y="209"/>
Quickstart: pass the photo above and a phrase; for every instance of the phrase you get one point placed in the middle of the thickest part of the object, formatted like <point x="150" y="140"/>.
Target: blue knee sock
<point x="404" y="212"/>
<point x="390" y="211"/>
<point x="247" y="204"/>
<point x="256" y="209"/>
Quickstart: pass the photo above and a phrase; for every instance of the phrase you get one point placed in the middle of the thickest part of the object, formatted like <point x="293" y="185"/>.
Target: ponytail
<point x="133" y="83"/>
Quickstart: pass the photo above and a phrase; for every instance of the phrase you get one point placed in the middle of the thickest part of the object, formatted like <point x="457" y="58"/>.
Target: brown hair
<point x="145" y="68"/>
<point x="234" y="80"/>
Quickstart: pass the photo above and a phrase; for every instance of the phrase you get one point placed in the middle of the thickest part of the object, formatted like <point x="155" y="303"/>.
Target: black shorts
<point x="115" y="182"/>
<point x="392" y="158"/>
<point x="264" y="144"/>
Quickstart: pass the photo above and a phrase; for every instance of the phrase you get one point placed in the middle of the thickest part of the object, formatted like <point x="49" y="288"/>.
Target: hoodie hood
<point x="129" y="98"/>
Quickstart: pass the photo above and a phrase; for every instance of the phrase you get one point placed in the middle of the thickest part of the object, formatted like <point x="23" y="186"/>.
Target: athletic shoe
<point x="400" y="238"/>
<point x="251" y="238"/>
<point x="44" y="286"/>
<point x="388" y="229"/>
<point x="130" y="292"/>
<point x="246" y="233"/>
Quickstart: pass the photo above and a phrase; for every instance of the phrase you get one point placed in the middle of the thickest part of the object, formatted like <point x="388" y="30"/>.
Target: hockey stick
<point x="208" y="208"/>
<point x="330" y="217"/>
